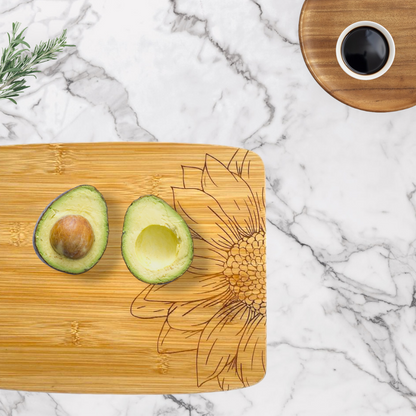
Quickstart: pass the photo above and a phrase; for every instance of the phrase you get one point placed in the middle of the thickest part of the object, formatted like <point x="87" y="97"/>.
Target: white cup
<point x="390" y="41"/>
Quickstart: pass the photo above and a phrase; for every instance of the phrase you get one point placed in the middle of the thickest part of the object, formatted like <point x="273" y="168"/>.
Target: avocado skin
<point x="43" y="213"/>
<point x="121" y="246"/>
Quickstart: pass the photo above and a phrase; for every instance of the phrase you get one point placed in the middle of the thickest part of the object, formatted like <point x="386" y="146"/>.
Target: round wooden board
<point x="322" y="22"/>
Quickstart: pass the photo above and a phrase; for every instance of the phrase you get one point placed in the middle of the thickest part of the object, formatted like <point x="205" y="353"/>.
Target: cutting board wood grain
<point x="321" y="24"/>
<point x="105" y="331"/>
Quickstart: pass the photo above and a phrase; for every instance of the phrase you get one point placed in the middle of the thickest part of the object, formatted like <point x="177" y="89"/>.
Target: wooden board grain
<point x="321" y="24"/>
<point x="105" y="331"/>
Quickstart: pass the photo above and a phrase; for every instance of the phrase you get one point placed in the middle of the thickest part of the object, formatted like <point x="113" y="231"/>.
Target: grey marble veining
<point x="341" y="189"/>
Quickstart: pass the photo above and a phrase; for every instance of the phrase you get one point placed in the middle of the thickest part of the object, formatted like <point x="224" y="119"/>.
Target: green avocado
<point x="156" y="243"/>
<point x="72" y="232"/>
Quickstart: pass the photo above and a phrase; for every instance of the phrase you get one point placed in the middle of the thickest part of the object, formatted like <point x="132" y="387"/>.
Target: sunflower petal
<point x="244" y="163"/>
<point x="172" y="340"/>
<point x="142" y="309"/>
<point x="241" y="206"/>
<point x="192" y="177"/>
<point x="228" y="378"/>
<point x="240" y="163"/>
<point x="190" y="287"/>
<point x="206" y="260"/>
<point x="217" y="344"/>
<point x="205" y="217"/>
<point x="194" y="316"/>
<point x="251" y="357"/>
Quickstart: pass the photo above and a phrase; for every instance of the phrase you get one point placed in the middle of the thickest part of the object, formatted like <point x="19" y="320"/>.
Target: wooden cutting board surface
<point x="321" y="24"/>
<point x="105" y="331"/>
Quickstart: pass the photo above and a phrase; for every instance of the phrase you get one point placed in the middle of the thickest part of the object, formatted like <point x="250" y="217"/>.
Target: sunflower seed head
<point x="246" y="273"/>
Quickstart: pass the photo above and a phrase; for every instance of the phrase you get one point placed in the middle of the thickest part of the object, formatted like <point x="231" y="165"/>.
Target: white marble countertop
<point x="341" y="204"/>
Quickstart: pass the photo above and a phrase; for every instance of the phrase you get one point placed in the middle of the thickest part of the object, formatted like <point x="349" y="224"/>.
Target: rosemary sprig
<point x="18" y="62"/>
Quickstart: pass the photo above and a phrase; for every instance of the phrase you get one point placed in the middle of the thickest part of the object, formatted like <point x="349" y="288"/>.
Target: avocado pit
<point x="72" y="237"/>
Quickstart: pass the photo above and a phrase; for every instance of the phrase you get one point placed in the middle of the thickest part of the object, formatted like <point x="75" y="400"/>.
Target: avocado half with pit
<point x="71" y="234"/>
<point x="156" y="242"/>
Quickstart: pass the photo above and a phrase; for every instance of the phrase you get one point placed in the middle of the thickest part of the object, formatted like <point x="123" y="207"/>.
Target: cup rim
<point x="390" y="42"/>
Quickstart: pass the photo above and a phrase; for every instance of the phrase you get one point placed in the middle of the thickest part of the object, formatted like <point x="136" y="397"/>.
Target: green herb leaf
<point x="17" y="62"/>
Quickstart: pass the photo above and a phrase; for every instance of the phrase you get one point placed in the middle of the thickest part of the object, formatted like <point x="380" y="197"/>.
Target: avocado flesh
<point x="83" y="200"/>
<point x="156" y="243"/>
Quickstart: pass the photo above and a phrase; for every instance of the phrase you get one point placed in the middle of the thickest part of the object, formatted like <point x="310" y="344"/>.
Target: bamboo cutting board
<point x="107" y="332"/>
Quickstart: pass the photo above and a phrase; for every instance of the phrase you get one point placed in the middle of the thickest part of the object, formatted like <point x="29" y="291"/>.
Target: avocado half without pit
<point x="72" y="232"/>
<point x="156" y="242"/>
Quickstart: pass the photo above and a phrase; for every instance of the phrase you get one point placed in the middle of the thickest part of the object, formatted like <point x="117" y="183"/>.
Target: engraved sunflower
<point x="218" y="307"/>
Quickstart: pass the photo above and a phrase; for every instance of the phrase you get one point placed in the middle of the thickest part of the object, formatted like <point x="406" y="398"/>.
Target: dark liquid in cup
<point x="365" y="50"/>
